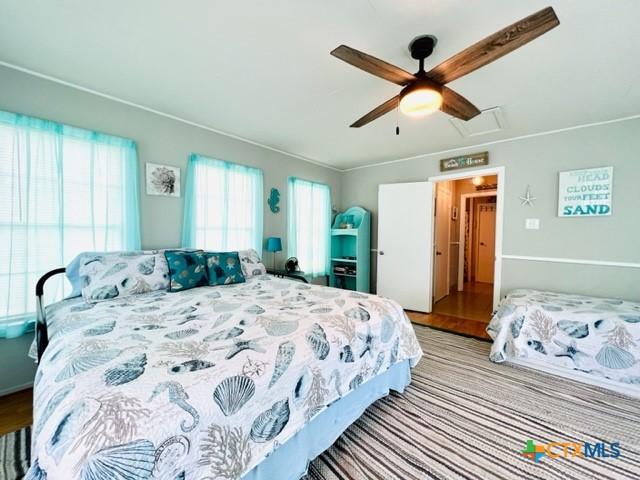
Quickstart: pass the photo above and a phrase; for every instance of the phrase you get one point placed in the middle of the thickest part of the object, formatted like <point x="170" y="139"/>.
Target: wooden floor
<point x="16" y="409"/>
<point x="475" y="302"/>
<point x="463" y="326"/>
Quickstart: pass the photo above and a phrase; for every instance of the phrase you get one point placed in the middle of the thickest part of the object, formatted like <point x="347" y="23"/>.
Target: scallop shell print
<point x="53" y="403"/>
<point x="614" y="357"/>
<point x="284" y="356"/>
<point x="270" y="423"/>
<point x="86" y="362"/>
<point x="131" y="461"/>
<point x="346" y="354"/>
<point x="126" y="372"/>
<point x="317" y="340"/>
<point x="104" y="293"/>
<point x="233" y="392"/>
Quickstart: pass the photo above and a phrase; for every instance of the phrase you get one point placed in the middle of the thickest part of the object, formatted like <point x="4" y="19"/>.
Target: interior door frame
<point x="463" y="217"/>
<point x="499" y="193"/>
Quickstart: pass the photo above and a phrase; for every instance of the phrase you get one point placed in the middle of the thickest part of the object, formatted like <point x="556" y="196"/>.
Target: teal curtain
<point x="63" y="190"/>
<point x="309" y="225"/>
<point x="223" y="206"/>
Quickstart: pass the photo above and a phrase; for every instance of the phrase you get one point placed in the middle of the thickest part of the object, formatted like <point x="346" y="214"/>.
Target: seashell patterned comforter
<point x="596" y="336"/>
<point x="203" y="383"/>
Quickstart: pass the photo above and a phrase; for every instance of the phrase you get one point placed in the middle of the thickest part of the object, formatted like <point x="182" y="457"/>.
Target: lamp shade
<point x="274" y="244"/>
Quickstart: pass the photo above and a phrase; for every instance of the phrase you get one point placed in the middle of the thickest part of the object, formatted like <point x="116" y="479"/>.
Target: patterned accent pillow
<point x="252" y="266"/>
<point x="186" y="269"/>
<point x="223" y="268"/>
<point x="104" y="276"/>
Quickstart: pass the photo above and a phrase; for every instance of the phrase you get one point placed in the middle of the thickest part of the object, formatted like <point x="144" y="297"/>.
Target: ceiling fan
<point x="425" y="92"/>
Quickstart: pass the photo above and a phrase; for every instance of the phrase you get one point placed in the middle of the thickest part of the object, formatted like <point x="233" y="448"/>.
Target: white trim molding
<point x="575" y="261"/>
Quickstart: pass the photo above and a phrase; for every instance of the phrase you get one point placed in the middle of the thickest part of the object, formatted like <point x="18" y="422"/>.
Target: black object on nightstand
<point x="297" y="275"/>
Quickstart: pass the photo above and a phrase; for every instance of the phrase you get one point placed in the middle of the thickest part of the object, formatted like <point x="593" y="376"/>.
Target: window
<point x="309" y="225"/>
<point x="223" y="206"/>
<point x="63" y="190"/>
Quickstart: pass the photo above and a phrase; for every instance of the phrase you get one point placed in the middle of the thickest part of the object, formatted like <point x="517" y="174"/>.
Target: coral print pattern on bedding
<point x="598" y="336"/>
<point x="205" y="382"/>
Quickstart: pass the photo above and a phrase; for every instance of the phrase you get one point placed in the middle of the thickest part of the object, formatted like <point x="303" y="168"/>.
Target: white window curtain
<point x="63" y="190"/>
<point x="223" y="206"/>
<point x="309" y="225"/>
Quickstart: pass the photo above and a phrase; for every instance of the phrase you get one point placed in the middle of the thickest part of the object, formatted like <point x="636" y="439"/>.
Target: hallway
<point x="474" y="303"/>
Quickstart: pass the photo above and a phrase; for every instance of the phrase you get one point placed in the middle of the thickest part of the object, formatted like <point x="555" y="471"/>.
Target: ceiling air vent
<point x="489" y="121"/>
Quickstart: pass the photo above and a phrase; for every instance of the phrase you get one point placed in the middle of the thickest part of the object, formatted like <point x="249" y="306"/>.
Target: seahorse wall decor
<point x="274" y="200"/>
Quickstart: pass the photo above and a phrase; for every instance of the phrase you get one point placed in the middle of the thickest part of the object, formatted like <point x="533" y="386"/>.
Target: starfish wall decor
<point x="527" y="198"/>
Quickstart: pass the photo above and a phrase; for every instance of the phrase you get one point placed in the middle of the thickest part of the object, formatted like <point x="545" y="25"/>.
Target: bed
<point x="250" y="380"/>
<point x="596" y="340"/>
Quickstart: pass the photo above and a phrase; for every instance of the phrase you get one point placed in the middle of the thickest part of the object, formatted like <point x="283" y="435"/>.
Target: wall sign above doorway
<point x="585" y="193"/>
<point x="464" y="161"/>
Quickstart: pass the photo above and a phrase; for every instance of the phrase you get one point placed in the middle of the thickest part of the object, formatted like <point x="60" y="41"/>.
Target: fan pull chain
<point x="397" y="126"/>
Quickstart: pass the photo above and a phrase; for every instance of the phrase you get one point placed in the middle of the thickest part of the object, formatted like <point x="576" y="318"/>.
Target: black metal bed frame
<point x="42" y="335"/>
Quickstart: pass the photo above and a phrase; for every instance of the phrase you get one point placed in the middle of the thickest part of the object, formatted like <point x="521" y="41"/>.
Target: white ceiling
<point x="262" y="70"/>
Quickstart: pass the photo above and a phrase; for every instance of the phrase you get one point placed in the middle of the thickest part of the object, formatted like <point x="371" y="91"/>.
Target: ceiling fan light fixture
<point x="420" y="99"/>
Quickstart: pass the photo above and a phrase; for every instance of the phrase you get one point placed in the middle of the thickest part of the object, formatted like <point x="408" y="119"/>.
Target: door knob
<point x="482" y="244"/>
<point x="438" y="253"/>
<point x="381" y="252"/>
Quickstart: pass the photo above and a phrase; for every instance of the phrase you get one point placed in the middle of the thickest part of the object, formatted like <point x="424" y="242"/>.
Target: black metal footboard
<point x="42" y="336"/>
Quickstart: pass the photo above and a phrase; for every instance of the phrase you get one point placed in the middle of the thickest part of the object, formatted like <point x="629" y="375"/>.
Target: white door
<point x="405" y="244"/>
<point x="442" y="239"/>
<point x="485" y="262"/>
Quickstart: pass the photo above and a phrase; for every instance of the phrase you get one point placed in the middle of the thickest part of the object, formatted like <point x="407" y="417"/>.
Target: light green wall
<point x="536" y="161"/>
<point x="160" y="140"/>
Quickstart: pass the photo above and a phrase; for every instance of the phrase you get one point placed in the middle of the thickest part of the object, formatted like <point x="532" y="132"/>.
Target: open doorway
<point x="465" y="220"/>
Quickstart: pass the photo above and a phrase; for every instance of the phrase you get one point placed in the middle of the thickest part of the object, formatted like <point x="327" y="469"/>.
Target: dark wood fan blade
<point x="495" y="46"/>
<point x="380" y="110"/>
<point x="456" y="105"/>
<point x="373" y="65"/>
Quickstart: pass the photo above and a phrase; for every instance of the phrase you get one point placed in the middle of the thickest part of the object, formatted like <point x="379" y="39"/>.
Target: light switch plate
<point x="532" y="224"/>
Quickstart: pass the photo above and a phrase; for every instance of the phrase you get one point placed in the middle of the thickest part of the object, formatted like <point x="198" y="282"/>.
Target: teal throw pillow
<point x="186" y="269"/>
<point x="224" y="268"/>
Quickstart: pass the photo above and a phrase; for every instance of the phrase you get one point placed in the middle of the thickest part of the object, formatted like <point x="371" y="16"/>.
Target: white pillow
<point x="252" y="266"/>
<point x="120" y="274"/>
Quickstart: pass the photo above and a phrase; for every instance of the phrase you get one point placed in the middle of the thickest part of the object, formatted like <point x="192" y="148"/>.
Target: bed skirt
<point x="291" y="459"/>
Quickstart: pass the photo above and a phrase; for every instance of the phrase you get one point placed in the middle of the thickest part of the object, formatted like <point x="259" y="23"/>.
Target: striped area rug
<point x="464" y="417"/>
<point x="14" y="454"/>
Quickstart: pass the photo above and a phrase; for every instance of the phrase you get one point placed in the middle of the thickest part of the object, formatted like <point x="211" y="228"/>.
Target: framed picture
<point x="163" y="180"/>
<point x="585" y="193"/>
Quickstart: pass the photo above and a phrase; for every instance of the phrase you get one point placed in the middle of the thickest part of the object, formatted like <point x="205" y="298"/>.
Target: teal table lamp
<point x="274" y="244"/>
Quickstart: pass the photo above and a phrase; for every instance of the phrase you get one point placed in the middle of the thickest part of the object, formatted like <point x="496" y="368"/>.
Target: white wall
<point x="536" y="161"/>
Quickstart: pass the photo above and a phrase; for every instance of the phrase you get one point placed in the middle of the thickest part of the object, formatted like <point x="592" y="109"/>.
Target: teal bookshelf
<point x="350" y="250"/>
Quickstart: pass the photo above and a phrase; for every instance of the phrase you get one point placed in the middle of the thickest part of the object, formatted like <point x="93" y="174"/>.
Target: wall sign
<point x="585" y="193"/>
<point x="464" y="161"/>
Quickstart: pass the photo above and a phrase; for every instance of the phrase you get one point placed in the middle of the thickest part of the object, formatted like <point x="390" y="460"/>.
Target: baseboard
<point x="15" y="388"/>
